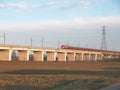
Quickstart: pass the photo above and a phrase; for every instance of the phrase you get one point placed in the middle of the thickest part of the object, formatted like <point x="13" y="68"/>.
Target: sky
<point x="60" y="22"/>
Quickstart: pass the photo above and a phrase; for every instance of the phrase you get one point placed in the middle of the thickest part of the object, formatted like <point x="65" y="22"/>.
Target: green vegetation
<point x="58" y="75"/>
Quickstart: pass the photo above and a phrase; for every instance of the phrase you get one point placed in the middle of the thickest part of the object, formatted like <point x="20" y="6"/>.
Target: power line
<point x="32" y="40"/>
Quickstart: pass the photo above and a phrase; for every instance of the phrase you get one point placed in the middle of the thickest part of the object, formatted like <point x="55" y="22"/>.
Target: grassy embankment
<point x="58" y="75"/>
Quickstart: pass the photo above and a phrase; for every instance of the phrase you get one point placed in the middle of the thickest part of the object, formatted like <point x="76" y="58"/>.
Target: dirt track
<point x="90" y="66"/>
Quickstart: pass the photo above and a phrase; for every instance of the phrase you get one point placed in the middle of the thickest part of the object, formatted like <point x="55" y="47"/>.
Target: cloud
<point x="63" y="5"/>
<point x="13" y="5"/>
<point x="48" y="5"/>
<point x="63" y="25"/>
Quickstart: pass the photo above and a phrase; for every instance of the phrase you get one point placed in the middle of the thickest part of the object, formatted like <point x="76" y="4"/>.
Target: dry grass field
<point x="58" y="75"/>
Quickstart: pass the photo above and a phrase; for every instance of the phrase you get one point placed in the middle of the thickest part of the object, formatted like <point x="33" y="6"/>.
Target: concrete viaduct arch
<point x="53" y="54"/>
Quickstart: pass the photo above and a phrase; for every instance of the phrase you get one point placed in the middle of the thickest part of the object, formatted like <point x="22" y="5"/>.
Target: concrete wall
<point x="93" y="57"/>
<point x="70" y="56"/>
<point x="86" y="57"/>
<point x="5" y="55"/>
<point x="99" y="56"/>
<point x="114" y="56"/>
<point x="79" y="57"/>
<point x="38" y="56"/>
<point x="23" y="55"/>
<point x="51" y="56"/>
<point x="62" y="56"/>
<point x="106" y="56"/>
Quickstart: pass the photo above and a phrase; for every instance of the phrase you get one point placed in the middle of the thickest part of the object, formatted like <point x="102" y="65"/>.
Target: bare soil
<point x="58" y="75"/>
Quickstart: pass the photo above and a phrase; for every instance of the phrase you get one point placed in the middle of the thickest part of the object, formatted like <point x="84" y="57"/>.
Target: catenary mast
<point x="103" y="44"/>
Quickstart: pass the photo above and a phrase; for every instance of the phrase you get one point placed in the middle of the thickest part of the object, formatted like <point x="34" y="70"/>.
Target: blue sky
<point x="73" y="22"/>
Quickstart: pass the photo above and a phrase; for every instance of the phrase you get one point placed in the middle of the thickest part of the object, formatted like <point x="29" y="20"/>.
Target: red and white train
<point x="86" y="49"/>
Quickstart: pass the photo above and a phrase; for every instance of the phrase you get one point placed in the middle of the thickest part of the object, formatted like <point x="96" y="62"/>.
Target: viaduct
<point x="52" y="53"/>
